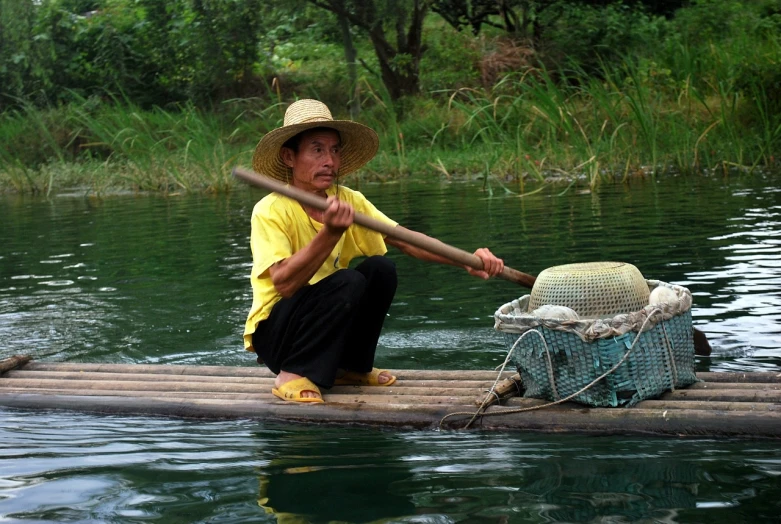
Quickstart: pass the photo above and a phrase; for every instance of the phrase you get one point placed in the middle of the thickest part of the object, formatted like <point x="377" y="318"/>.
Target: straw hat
<point x="359" y="143"/>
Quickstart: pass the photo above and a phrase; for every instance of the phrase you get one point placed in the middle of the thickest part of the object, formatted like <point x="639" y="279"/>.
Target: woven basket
<point x="557" y="358"/>
<point x="592" y="289"/>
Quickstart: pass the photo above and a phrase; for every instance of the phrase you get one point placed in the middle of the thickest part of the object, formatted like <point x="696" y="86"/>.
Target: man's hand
<point x="338" y="216"/>
<point x="492" y="266"/>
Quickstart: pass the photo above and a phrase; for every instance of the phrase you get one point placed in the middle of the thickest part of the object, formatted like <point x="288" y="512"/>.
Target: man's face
<point x="317" y="161"/>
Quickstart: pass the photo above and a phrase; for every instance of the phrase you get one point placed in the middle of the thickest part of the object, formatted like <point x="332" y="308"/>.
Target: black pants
<point x="334" y="324"/>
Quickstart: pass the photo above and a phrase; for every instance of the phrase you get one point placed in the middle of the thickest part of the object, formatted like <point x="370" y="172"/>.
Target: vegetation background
<point x="169" y="96"/>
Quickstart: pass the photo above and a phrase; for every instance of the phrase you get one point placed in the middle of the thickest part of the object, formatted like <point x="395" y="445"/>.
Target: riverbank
<point x="636" y="120"/>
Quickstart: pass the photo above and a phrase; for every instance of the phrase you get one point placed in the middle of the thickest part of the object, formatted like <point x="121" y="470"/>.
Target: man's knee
<point x="349" y="283"/>
<point x="380" y="268"/>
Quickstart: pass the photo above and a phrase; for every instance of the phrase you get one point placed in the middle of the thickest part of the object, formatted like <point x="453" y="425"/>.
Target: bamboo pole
<point x="674" y="421"/>
<point x="259" y="381"/>
<point x="681" y="422"/>
<point x="725" y="395"/>
<point x="504" y="388"/>
<point x="754" y="376"/>
<point x="419" y="240"/>
<point x="13" y="362"/>
<point x="659" y="405"/>
<point x="417" y="374"/>
<point x="157" y="369"/>
<point x="766" y="386"/>
<point x="227" y="399"/>
<point x="394" y="416"/>
<point x="708" y="404"/>
<point x="170" y="386"/>
<point x="256" y="371"/>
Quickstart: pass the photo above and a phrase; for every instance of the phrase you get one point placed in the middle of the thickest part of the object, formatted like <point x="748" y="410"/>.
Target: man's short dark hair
<point x="294" y="141"/>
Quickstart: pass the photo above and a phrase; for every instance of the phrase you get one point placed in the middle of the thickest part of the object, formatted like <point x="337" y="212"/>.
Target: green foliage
<point x="588" y="35"/>
<point x="154" y="52"/>
<point x="169" y="95"/>
<point x="451" y="59"/>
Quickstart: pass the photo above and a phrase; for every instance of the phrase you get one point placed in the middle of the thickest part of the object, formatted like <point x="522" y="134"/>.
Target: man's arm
<point x="492" y="265"/>
<point x="293" y="273"/>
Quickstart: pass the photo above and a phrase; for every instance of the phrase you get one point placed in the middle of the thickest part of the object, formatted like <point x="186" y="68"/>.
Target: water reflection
<point x="315" y="479"/>
<point x="57" y="467"/>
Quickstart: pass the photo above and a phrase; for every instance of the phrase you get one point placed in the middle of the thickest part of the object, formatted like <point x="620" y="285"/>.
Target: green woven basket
<point x="577" y="352"/>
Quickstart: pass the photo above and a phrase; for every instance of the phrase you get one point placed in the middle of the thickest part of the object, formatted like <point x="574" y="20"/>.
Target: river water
<point x="152" y="279"/>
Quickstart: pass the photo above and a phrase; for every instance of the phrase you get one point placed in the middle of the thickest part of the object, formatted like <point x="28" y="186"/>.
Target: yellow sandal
<point x="354" y="378"/>
<point x="291" y="391"/>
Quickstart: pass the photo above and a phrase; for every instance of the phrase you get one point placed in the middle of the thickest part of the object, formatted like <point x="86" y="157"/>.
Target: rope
<point x="493" y="386"/>
<point x="549" y="404"/>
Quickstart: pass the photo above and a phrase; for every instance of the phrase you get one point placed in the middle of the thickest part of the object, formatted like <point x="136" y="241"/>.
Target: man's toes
<point x="384" y="377"/>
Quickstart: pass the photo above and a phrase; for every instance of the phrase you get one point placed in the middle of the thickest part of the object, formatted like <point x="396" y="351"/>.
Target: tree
<point x="399" y="63"/>
<point x="25" y="54"/>
<point x="350" y="55"/>
<point x="476" y="13"/>
<point x="523" y="17"/>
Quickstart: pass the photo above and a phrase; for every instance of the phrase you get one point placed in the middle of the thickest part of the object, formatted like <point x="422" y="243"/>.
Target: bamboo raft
<point x="723" y="404"/>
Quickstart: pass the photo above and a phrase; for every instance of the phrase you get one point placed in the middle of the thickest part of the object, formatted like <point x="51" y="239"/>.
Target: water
<point x="148" y="279"/>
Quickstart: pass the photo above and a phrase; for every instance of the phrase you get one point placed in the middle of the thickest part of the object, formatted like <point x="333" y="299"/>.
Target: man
<point x="314" y="322"/>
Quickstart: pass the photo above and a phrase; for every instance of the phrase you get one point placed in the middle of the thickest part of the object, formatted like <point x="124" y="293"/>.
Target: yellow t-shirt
<point x="281" y="227"/>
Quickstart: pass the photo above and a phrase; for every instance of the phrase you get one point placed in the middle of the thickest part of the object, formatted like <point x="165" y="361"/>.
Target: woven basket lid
<point x="592" y="289"/>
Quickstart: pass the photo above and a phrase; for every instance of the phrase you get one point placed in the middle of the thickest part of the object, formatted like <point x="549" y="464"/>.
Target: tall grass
<point x="122" y="146"/>
<point x="638" y="118"/>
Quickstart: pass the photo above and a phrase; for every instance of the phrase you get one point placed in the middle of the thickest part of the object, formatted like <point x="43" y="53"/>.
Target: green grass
<point x="637" y="119"/>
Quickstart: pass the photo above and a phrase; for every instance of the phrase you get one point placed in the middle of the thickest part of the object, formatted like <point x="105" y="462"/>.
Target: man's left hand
<point x="492" y="265"/>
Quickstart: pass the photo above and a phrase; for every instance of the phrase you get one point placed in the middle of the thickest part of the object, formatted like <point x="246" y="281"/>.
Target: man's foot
<point x="375" y="377"/>
<point x="290" y="386"/>
<point x="385" y="377"/>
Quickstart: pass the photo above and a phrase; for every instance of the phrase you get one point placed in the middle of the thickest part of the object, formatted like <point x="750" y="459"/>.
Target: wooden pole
<point x="247" y="371"/>
<point x="257" y="381"/>
<point x="416" y="239"/>
<point x="678" y="422"/>
<point x="206" y="387"/>
<point x="753" y="376"/>
<point x="13" y="362"/>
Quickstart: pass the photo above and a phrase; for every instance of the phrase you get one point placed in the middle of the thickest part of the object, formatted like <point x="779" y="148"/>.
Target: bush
<point x="590" y="35"/>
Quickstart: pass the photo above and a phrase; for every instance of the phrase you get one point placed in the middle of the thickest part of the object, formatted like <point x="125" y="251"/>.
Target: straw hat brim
<point x="359" y="144"/>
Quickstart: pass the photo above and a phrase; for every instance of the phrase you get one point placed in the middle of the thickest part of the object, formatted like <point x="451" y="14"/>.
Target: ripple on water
<point x="69" y="466"/>
<point x="168" y="284"/>
<point x="56" y="283"/>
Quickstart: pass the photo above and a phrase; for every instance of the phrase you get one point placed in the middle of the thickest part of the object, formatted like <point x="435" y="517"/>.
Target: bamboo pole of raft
<point x="416" y="239"/>
<point x="130" y="385"/>
<point x="13" y="362"/>
<point x="416" y="401"/>
<point x="333" y="399"/>
<point x="472" y="389"/>
<point x="256" y="371"/>
<point x="598" y="421"/>
<point x="728" y="395"/>
<point x="260" y="382"/>
<point x="759" y="376"/>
